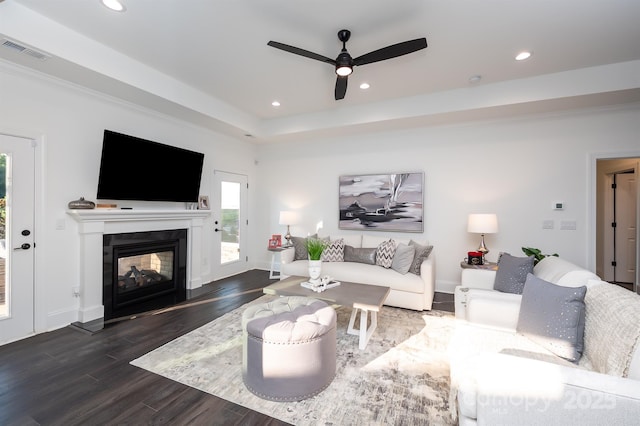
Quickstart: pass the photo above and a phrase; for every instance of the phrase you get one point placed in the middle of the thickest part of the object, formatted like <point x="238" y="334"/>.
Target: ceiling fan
<point x="344" y="63"/>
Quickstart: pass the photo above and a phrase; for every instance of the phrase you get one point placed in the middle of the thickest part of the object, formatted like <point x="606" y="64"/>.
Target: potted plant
<point x="315" y="247"/>
<point x="536" y="253"/>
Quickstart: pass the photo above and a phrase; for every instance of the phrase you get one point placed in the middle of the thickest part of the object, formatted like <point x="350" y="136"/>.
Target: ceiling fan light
<point x="114" y="5"/>
<point x="343" y="70"/>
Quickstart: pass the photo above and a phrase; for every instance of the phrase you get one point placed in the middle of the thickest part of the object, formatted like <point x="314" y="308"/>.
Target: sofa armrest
<point x="287" y="255"/>
<point x="428" y="275"/>
<point x="510" y="389"/>
<point x="491" y="308"/>
<point x="478" y="278"/>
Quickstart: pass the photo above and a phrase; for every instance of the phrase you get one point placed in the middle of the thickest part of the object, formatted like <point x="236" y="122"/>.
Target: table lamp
<point x="482" y="224"/>
<point x="288" y="218"/>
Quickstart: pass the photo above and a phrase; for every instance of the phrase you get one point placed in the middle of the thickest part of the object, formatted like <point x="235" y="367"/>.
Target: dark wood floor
<point x="68" y="377"/>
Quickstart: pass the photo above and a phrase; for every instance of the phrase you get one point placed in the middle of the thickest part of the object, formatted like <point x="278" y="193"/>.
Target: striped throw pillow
<point x="385" y="252"/>
<point x="333" y="252"/>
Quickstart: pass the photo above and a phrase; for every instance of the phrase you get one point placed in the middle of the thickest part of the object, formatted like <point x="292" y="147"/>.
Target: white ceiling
<point x="207" y="61"/>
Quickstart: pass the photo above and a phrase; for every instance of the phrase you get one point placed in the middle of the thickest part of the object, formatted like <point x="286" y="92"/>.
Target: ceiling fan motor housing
<point x="344" y="63"/>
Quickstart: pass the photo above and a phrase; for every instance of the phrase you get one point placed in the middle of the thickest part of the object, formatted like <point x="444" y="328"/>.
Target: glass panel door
<point x="17" y="183"/>
<point x="230" y="214"/>
<point x="230" y="222"/>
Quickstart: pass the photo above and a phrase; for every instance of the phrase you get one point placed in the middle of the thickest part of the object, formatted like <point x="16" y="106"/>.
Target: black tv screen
<point x="132" y="168"/>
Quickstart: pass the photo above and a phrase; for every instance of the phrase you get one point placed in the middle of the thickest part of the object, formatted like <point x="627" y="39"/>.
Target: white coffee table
<point x="363" y="298"/>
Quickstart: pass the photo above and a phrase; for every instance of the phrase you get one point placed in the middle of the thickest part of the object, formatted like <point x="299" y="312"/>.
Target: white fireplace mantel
<point x="95" y="223"/>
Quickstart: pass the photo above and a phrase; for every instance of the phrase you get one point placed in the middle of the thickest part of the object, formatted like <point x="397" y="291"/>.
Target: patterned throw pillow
<point x="333" y="252"/>
<point x="300" y="247"/>
<point x="385" y="252"/>
<point x="422" y="252"/>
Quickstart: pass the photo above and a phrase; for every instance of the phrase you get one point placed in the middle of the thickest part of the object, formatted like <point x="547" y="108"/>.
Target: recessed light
<point x="364" y="86"/>
<point x="523" y="55"/>
<point x="114" y="5"/>
<point x="275" y="103"/>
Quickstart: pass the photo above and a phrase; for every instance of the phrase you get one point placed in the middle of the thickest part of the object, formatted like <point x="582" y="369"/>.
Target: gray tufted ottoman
<point x="289" y="348"/>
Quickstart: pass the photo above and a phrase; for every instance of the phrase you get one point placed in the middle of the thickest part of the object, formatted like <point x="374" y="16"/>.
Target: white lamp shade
<point x="288" y="218"/>
<point x="482" y="223"/>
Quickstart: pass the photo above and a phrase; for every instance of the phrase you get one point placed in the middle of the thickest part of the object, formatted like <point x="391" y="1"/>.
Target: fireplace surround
<point x="95" y="223"/>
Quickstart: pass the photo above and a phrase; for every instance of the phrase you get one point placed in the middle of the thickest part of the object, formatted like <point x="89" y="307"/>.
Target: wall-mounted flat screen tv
<point x="132" y="168"/>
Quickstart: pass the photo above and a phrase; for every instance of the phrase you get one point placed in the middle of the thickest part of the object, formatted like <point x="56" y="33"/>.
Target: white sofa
<point x="501" y="377"/>
<point x="408" y="290"/>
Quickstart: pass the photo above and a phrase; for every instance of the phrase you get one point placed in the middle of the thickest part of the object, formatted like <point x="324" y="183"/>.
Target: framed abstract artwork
<point x="382" y="202"/>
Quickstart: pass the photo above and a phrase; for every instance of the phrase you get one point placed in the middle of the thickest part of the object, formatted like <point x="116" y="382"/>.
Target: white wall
<point x="71" y="124"/>
<point x="516" y="168"/>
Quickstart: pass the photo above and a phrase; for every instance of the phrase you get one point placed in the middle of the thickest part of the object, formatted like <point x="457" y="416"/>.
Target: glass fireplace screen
<point x="143" y="270"/>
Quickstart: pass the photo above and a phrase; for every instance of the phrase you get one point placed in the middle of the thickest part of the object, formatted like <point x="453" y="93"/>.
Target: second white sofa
<point x="503" y="376"/>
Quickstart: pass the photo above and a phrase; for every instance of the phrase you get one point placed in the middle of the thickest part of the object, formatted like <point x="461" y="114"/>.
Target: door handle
<point x="25" y="246"/>
<point x="217" y="230"/>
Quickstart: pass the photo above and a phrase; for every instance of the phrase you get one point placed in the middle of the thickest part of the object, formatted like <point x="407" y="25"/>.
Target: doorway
<point x="231" y="223"/>
<point x="17" y="243"/>
<point x="617" y="221"/>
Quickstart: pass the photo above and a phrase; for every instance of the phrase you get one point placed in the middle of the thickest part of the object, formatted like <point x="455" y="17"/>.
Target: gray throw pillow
<point x="360" y="255"/>
<point x="422" y="252"/>
<point x="512" y="273"/>
<point x="300" y="247"/>
<point x="553" y="316"/>
<point x="403" y="258"/>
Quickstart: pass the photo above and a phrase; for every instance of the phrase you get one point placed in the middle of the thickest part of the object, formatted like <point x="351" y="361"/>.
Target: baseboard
<point x="446" y="286"/>
<point x="60" y="319"/>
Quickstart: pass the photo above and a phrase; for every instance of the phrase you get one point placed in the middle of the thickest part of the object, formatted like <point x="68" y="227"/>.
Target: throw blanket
<point x="612" y="329"/>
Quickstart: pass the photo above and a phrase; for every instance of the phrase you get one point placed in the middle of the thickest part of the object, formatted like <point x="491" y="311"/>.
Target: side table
<point x="490" y="266"/>
<point x="274" y="272"/>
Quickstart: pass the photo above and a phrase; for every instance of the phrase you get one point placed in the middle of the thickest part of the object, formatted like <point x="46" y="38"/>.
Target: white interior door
<point x="17" y="160"/>
<point x="626" y="227"/>
<point x="230" y="221"/>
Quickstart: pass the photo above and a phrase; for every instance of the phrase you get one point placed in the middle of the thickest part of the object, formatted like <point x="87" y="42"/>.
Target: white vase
<point x="315" y="270"/>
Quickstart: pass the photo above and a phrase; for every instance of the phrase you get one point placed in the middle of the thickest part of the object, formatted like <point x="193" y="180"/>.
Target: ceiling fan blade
<point x="301" y="52"/>
<point x="392" y="51"/>
<point x="341" y="87"/>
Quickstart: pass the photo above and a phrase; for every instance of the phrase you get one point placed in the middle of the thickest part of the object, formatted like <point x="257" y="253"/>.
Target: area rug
<point x="401" y="378"/>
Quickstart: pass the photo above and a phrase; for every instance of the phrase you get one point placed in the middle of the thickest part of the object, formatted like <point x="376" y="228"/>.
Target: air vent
<point x="19" y="48"/>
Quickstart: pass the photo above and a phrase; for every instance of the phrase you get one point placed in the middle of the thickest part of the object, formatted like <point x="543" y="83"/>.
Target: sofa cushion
<point x="512" y="273"/>
<point x="360" y="255"/>
<point x="333" y="251"/>
<point x="385" y="252"/>
<point x="553" y="316"/>
<point x="422" y="252"/>
<point x="403" y="258"/>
